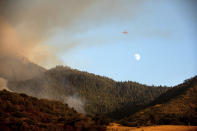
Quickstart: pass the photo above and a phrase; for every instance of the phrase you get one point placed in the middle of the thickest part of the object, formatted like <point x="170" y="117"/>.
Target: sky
<point x="158" y="48"/>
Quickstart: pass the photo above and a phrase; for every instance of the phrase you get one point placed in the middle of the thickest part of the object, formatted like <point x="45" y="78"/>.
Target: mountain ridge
<point x="130" y="102"/>
<point x="176" y="106"/>
<point x="101" y="94"/>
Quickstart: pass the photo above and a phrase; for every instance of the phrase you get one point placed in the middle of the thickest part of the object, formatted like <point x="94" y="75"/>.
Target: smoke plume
<point x="25" y="26"/>
<point x="3" y="84"/>
<point x="75" y="102"/>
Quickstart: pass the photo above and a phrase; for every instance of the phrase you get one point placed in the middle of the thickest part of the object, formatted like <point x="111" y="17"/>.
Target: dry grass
<point x="117" y="127"/>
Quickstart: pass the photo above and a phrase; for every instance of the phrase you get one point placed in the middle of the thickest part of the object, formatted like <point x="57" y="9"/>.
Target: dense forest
<point x="100" y="99"/>
<point x="21" y="112"/>
<point x="99" y="94"/>
<point x="178" y="106"/>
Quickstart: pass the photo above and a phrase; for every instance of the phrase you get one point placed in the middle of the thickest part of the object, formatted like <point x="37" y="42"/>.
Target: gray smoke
<point x="3" y="84"/>
<point x="75" y="102"/>
<point x="26" y="25"/>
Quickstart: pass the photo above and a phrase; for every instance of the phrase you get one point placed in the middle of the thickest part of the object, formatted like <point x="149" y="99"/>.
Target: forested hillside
<point x="21" y="112"/>
<point x="100" y="95"/>
<point x="178" y="106"/>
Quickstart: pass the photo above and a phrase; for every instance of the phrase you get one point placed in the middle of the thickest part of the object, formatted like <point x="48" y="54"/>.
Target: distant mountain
<point x="16" y="67"/>
<point x="96" y="94"/>
<point x="21" y="112"/>
<point x="178" y="106"/>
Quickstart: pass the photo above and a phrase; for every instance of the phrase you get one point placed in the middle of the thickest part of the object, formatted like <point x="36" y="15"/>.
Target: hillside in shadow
<point x="178" y="106"/>
<point x="22" y="112"/>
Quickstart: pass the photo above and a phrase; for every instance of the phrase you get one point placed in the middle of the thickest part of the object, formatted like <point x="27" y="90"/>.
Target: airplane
<point x="125" y="32"/>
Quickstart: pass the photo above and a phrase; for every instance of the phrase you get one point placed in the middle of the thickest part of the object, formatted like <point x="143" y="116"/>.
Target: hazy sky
<point x="159" y="48"/>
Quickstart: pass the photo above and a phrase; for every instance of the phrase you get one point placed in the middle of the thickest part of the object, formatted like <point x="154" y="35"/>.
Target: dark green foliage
<point x="177" y="106"/>
<point x="101" y="95"/>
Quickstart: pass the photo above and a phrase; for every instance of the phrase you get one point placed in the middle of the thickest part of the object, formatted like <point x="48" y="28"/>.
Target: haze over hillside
<point x="15" y="67"/>
<point x="87" y="93"/>
<point x="81" y="65"/>
<point x="92" y="93"/>
<point x="129" y="102"/>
